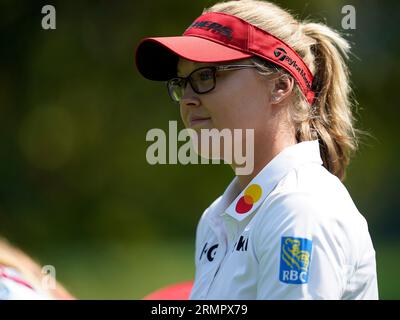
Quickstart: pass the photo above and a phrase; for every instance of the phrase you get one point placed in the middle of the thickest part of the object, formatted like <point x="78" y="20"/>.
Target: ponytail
<point x="330" y="118"/>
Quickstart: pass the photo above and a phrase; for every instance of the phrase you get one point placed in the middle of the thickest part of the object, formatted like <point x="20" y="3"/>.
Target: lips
<point x="194" y="120"/>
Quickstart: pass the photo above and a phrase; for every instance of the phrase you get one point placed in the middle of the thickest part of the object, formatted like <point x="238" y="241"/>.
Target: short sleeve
<point x="299" y="249"/>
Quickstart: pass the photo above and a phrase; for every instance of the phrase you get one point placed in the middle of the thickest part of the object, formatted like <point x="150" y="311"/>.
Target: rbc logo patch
<point x="295" y="260"/>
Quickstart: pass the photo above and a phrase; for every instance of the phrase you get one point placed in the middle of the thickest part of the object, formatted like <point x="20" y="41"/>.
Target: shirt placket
<point x="229" y="229"/>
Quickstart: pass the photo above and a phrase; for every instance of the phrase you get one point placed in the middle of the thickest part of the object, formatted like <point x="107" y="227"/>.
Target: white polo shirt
<point x="292" y="233"/>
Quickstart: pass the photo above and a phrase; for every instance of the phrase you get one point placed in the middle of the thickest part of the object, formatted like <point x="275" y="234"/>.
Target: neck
<point x="263" y="154"/>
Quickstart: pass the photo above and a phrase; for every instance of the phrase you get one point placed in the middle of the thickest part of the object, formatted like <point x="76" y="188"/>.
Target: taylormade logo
<point x="213" y="26"/>
<point x="278" y="52"/>
<point x="282" y="55"/>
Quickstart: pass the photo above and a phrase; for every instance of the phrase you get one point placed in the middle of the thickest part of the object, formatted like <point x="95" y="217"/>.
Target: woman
<point x="288" y="230"/>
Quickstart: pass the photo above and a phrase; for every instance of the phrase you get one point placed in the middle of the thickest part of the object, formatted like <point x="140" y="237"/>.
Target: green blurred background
<point x="76" y="191"/>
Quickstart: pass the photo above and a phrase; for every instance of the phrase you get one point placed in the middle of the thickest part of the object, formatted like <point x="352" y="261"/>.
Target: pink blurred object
<point x="179" y="291"/>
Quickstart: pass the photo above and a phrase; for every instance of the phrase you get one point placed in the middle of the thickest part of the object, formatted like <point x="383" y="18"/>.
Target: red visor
<point x="219" y="37"/>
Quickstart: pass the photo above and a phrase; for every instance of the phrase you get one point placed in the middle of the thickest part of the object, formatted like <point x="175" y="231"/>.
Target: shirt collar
<point x="247" y="201"/>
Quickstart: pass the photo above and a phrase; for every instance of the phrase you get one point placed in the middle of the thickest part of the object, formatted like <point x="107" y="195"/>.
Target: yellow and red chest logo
<point x="251" y="195"/>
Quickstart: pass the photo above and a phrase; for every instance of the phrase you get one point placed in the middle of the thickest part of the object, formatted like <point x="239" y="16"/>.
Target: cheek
<point x="184" y="114"/>
<point x="240" y="106"/>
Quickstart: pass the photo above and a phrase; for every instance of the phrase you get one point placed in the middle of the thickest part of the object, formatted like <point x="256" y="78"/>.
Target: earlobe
<point x="274" y="98"/>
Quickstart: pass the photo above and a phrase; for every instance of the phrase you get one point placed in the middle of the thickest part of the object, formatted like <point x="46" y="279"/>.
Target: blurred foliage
<point x="74" y="113"/>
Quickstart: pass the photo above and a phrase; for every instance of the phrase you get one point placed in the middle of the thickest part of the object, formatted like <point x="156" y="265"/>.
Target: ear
<point x="282" y="87"/>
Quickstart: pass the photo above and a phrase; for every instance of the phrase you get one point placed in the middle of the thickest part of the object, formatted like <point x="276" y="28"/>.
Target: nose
<point x="190" y="98"/>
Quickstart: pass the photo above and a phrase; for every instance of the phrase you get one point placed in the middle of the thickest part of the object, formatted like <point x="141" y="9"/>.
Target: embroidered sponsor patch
<point x="295" y="260"/>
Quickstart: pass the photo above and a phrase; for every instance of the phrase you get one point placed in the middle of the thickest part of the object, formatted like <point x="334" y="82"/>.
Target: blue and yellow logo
<point x="295" y="260"/>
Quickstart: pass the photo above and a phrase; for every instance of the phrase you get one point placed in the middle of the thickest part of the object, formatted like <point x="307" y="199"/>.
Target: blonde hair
<point x="14" y="258"/>
<point x="330" y="119"/>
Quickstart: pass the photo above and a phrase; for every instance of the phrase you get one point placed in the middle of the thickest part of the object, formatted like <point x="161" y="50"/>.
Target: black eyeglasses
<point x="202" y="80"/>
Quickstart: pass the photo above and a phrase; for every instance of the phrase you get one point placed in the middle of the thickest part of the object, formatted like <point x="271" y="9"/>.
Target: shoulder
<point x="203" y="224"/>
<point x="312" y="191"/>
<point x="313" y="203"/>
